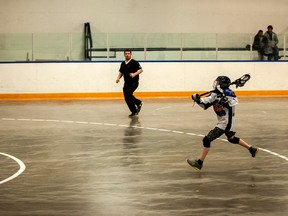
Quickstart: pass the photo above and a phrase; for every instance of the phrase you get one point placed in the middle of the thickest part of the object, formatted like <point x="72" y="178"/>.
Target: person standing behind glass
<point x="258" y="44"/>
<point x="272" y="41"/>
<point x="267" y="50"/>
<point x="130" y="69"/>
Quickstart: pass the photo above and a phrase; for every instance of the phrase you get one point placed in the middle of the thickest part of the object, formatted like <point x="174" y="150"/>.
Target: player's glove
<point x="196" y="98"/>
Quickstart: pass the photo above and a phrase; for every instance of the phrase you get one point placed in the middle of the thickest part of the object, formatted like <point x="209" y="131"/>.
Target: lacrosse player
<point x="223" y="100"/>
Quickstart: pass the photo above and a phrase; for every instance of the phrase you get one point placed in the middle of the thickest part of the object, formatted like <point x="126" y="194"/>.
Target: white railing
<point x="109" y="47"/>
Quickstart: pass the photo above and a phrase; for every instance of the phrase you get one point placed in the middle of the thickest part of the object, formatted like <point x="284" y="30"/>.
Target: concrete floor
<point x="88" y="158"/>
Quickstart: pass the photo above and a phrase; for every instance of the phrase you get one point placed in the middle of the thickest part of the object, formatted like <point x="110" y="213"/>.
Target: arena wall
<point x="139" y="16"/>
<point x="90" y="80"/>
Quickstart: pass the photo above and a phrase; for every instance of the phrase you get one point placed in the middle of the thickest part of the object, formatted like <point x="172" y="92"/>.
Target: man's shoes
<point x="194" y="164"/>
<point x="139" y="107"/>
<point x="253" y="151"/>
<point x="133" y="115"/>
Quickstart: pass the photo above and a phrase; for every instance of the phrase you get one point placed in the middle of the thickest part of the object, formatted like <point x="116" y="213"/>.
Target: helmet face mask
<point x="215" y="84"/>
<point x="221" y="82"/>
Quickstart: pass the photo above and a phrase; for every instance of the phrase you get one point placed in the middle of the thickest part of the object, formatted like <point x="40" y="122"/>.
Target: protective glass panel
<point x="50" y="47"/>
<point x="15" y="47"/>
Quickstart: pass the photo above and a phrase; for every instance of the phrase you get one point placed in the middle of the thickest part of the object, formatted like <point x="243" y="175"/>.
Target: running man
<point x="130" y="69"/>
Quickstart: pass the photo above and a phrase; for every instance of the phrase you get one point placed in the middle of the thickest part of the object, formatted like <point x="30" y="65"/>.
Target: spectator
<point x="267" y="50"/>
<point x="258" y="44"/>
<point x="272" y="41"/>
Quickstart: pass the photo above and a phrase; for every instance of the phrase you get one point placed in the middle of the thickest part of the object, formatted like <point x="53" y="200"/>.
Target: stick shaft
<point x="206" y="93"/>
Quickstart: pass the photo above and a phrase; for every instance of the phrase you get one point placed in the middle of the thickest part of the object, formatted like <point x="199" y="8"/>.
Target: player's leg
<point x="253" y="150"/>
<point x="212" y="135"/>
<point x="236" y="140"/>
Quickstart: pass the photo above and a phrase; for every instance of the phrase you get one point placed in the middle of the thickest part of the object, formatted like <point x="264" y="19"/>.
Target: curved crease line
<point x="21" y="169"/>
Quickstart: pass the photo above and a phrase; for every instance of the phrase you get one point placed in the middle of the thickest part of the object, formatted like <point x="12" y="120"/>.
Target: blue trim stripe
<point x="149" y="61"/>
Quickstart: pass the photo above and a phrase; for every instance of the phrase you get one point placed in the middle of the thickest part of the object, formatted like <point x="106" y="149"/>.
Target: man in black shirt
<point x="130" y="69"/>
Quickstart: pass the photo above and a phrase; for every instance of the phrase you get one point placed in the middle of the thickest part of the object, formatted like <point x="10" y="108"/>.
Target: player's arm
<point x="206" y="102"/>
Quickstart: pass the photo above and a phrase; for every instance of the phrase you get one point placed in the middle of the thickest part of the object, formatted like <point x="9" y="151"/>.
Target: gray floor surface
<point x="88" y="158"/>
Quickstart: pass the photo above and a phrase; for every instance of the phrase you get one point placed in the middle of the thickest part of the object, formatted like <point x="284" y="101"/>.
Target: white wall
<point x="143" y="16"/>
<point x="93" y="77"/>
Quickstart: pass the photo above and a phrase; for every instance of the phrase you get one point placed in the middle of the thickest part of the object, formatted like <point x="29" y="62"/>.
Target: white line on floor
<point x="148" y="128"/>
<point x="21" y="169"/>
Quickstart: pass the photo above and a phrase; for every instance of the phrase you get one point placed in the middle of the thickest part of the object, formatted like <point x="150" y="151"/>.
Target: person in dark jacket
<point x="258" y="43"/>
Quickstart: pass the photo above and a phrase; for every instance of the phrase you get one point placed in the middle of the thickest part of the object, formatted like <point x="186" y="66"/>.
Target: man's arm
<point x="276" y="39"/>
<point x="119" y="77"/>
<point x="132" y="75"/>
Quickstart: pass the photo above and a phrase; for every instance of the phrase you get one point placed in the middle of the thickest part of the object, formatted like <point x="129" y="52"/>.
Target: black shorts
<point x="217" y="132"/>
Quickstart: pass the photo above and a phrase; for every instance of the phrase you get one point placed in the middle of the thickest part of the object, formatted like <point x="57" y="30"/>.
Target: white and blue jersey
<point x="224" y="106"/>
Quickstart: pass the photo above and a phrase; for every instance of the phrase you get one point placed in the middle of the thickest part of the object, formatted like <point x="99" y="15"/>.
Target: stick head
<point x="242" y="80"/>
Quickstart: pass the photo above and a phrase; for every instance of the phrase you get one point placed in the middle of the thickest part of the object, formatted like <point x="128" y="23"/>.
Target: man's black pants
<point x="131" y="101"/>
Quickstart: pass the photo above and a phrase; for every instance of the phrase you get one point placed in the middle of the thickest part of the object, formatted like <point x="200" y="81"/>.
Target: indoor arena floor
<point x="87" y="158"/>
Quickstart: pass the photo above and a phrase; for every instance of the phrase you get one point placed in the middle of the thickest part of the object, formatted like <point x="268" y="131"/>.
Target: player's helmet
<point x="222" y="81"/>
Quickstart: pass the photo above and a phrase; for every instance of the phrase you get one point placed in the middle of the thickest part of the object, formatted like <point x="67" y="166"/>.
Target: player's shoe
<point x="253" y="151"/>
<point x="133" y="115"/>
<point x="194" y="164"/>
<point x="139" y="107"/>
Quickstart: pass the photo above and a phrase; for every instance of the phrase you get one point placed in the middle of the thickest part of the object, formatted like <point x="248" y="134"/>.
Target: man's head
<point x="127" y="54"/>
<point x="270" y="28"/>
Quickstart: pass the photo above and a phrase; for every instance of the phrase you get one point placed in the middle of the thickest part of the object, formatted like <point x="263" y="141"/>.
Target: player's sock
<point x="200" y="162"/>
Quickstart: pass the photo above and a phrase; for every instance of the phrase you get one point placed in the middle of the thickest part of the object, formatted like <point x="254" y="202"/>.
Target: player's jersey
<point x="224" y="107"/>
